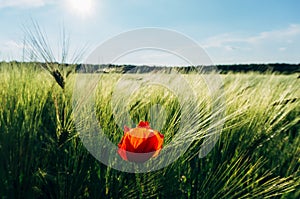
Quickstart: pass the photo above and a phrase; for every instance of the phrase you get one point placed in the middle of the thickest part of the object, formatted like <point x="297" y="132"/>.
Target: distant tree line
<point x="282" y="68"/>
<point x="276" y="67"/>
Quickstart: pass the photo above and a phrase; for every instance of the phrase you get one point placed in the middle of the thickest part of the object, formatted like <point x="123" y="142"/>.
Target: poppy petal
<point x="122" y="153"/>
<point x="141" y="143"/>
<point x="126" y="129"/>
<point x="139" y="157"/>
<point x="143" y="124"/>
<point x="152" y="143"/>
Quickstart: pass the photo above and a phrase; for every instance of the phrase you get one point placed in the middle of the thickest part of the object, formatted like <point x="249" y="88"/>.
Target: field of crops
<point x="256" y="156"/>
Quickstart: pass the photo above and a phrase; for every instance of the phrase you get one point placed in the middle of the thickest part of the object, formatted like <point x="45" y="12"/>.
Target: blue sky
<point x="231" y="32"/>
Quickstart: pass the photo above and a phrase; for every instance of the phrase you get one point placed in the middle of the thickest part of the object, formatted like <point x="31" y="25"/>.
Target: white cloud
<point x="10" y="50"/>
<point x="235" y="41"/>
<point x="219" y="40"/>
<point x="281" y="45"/>
<point x="25" y="3"/>
<point x="10" y="44"/>
<point x="282" y="35"/>
<point x="282" y="49"/>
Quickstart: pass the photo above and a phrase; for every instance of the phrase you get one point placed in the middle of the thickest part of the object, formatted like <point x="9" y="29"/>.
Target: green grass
<point x="256" y="156"/>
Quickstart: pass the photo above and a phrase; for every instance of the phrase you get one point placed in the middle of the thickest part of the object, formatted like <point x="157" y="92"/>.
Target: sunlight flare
<point x="82" y="8"/>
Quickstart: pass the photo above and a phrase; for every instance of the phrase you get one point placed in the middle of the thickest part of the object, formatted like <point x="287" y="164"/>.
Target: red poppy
<point x="141" y="143"/>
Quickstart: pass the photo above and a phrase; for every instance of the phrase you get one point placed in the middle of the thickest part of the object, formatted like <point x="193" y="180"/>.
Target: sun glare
<point x="81" y="8"/>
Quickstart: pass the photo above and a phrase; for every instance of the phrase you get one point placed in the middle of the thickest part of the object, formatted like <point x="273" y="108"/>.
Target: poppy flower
<point x="141" y="143"/>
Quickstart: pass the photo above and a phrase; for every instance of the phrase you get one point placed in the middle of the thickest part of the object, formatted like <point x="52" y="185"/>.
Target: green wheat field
<point x="42" y="156"/>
